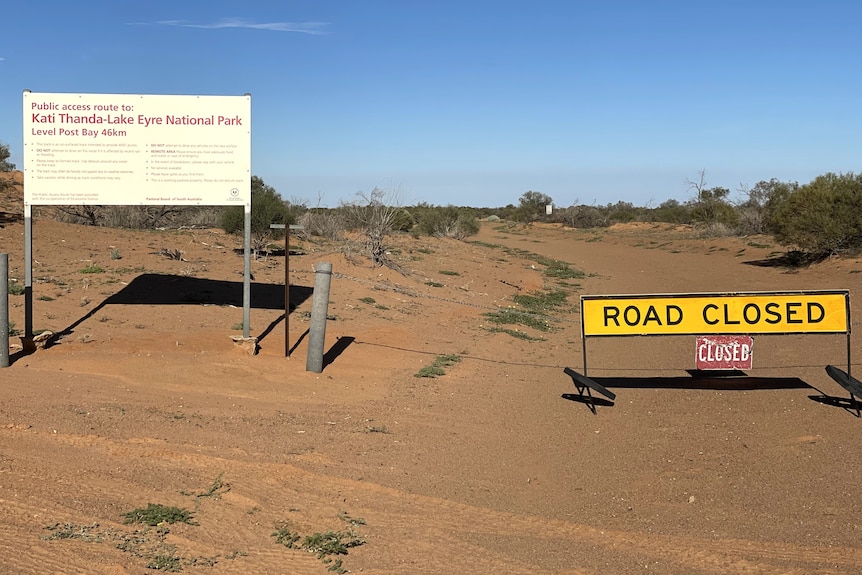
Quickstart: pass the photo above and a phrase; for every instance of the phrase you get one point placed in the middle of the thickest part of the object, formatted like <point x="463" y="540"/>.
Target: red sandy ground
<point x="492" y="468"/>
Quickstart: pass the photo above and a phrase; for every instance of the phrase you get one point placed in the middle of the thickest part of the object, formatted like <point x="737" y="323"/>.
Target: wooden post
<point x="286" y="281"/>
<point x="287" y="286"/>
<point x="4" y="310"/>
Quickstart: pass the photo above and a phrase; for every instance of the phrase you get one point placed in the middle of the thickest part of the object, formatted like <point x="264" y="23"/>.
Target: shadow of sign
<point x="732" y="380"/>
<point x="10" y="218"/>
<point x="738" y="383"/>
<point x="340" y="345"/>
<point x="164" y="289"/>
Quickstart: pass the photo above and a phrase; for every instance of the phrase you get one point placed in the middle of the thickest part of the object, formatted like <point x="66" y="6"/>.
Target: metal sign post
<point x="286" y="281"/>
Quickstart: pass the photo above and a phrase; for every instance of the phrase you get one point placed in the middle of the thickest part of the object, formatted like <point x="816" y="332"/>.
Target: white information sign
<point x="125" y="149"/>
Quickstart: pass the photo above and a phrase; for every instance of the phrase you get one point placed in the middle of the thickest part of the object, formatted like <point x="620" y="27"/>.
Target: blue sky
<point x="476" y="102"/>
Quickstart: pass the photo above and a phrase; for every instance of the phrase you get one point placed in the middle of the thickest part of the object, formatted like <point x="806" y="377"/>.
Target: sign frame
<point x="136" y="149"/>
<point x="650" y="323"/>
<point x="193" y="142"/>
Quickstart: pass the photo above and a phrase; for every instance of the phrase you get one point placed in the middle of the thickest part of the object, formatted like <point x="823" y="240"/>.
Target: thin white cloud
<point x="301" y="27"/>
<point x="2" y="58"/>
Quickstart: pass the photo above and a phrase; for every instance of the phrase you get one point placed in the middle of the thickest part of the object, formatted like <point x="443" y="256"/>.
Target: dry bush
<point x="374" y="216"/>
<point x="328" y="224"/>
<point x="140" y="217"/>
<point x="715" y="230"/>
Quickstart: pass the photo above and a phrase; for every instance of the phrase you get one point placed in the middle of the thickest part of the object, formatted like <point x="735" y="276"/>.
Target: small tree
<point x="5" y="164"/>
<point x="710" y="206"/>
<point x="531" y="206"/>
<point x="374" y="216"/>
<point x="760" y="203"/>
<point x="823" y="217"/>
<point x="267" y="208"/>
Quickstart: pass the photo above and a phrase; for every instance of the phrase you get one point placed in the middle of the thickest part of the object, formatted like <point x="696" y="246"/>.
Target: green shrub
<point x="155" y="513"/>
<point x="437" y="368"/>
<point x="581" y="217"/>
<point x="267" y="208"/>
<point x="446" y="222"/>
<point x="822" y="217"/>
<point x="671" y="212"/>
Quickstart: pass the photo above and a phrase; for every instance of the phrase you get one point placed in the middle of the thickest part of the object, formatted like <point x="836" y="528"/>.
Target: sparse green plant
<point x="284" y="535"/>
<point x="45" y="298"/>
<point x="215" y="490"/>
<point x="134" y="270"/>
<point x="325" y="544"/>
<point x="449" y="273"/>
<point x="156" y="514"/>
<point x="115" y="255"/>
<point x="377" y="429"/>
<point x="344" y="516"/>
<point x="149" y="543"/>
<point x="15" y="288"/>
<point x="541" y="302"/>
<point x="368" y="300"/>
<point x="516" y="333"/>
<point x="86" y="533"/>
<point x="518" y="317"/>
<point x="92" y="269"/>
<point x="559" y="269"/>
<point x="331" y="543"/>
<point x="430" y="371"/>
<point x="169" y="563"/>
<point x="437" y="368"/>
<point x="12" y="331"/>
<point x="434" y="284"/>
<point x="237" y="326"/>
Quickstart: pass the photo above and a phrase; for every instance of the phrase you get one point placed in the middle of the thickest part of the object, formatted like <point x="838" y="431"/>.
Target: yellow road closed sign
<point x="716" y="313"/>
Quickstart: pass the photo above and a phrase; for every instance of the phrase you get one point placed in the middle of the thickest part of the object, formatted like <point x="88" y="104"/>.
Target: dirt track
<point x="491" y="468"/>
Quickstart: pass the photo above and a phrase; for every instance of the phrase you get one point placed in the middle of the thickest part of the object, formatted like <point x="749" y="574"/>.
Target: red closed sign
<point x="724" y="351"/>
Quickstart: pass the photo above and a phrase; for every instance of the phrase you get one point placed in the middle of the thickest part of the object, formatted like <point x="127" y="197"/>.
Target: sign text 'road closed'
<point x="718" y="313"/>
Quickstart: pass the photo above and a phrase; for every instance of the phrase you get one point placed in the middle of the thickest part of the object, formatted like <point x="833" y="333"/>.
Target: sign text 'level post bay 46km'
<point x="124" y="149"/>
<point x="719" y="313"/>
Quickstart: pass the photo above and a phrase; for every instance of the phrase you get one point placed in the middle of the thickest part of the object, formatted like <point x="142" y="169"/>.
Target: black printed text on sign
<point x="718" y="313"/>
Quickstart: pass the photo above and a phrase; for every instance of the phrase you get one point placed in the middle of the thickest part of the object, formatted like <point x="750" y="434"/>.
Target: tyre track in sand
<point x="404" y="531"/>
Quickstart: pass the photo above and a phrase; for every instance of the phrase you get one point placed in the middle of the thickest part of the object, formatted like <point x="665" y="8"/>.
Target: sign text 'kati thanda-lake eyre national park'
<point x="125" y="149"/>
